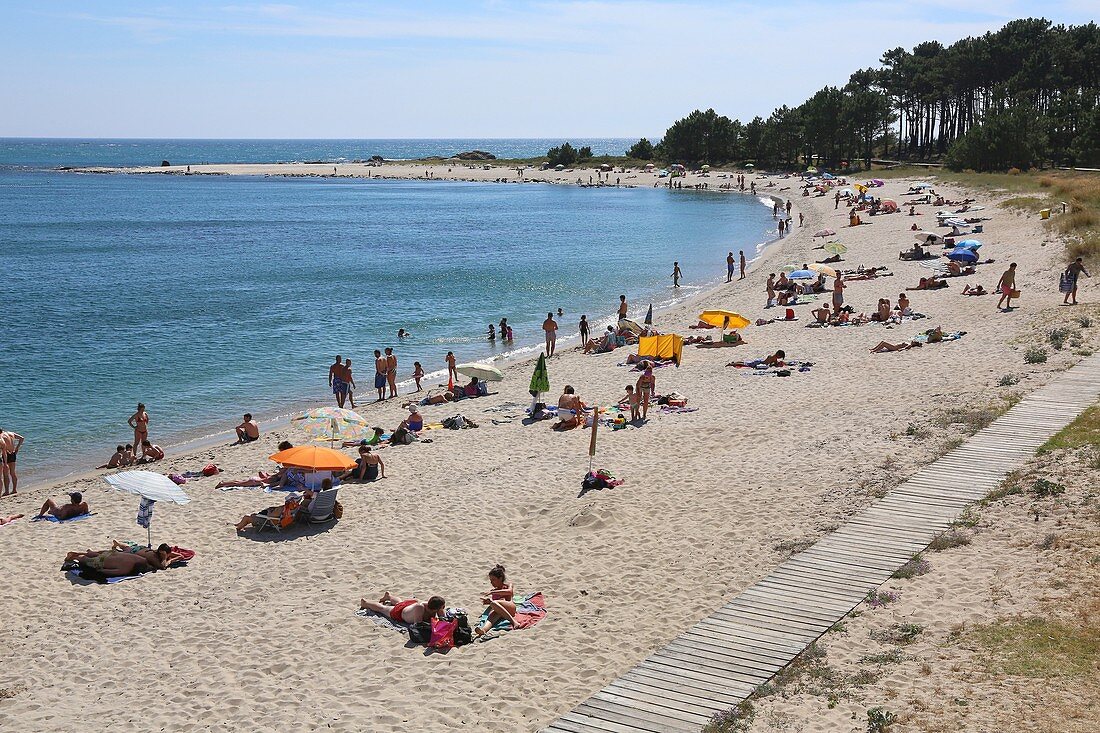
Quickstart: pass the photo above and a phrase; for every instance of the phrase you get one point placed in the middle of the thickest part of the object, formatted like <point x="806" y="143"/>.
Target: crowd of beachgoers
<point x="856" y="257"/>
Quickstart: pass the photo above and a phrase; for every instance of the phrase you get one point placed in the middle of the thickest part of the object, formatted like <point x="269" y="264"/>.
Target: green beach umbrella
<point x="540" y="380"/>
<point x="835" y="248"/>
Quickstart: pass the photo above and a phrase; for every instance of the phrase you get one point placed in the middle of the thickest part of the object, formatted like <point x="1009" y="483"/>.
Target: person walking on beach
<point x="10" y="443"/>
<point x="380" y="375"/>
<point x="676" y="274"/>
<point x="622" y="307"/>
<point x="550" y="326"/>
<point x="139" y="421"/>
<point x="336" y="381"/>
<point x="838" y="292"/>
<point x="391" y="371"/>
<point x="742" y="254"/>
<point x="788" y="208"/>
<point x="1006" y="286"/>
<point x="584" y="330"/>
<point x="1074" y="271"/>
<point x="729" y="267"/>
<point x="349" y="381"/>
<point x="451" y="373"/>
<point x="418" y="374"/>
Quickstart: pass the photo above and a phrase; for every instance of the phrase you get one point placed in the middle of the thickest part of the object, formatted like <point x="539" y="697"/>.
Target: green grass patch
<point x="1084" y="431"/>
<point x="1037" y="647"/>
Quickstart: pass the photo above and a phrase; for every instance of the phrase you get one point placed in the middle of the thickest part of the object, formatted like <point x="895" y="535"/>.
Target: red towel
<point x="527" y="619"/>
<point x="184" y="554"/>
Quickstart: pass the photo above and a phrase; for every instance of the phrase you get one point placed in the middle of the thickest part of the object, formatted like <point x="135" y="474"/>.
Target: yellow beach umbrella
<point x="724" y="319"/>
<point x="835" y="248"/>
<point x="823" y="269"/>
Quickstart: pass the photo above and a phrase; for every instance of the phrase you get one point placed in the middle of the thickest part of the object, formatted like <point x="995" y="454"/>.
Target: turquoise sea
<point x="206" y="297"/>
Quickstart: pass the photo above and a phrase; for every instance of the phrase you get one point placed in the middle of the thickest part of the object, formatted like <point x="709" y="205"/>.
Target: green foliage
<point x="641" y="150"/>
<point x="735" y="720"/>
<point x="584" y="153"/>
<point x="565" y="154"/>
<point x="1014" y="138"/>
<point x="1044" y="489"/>
<point x="1037" y="647"/>
<point x="702" y="138"/>
<point x="1035" y="355"/>
<point x="879" y="720"/>
<point x="1083" y="431"/>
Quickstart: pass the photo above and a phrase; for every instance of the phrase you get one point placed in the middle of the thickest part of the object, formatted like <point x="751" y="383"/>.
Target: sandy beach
<point x="261" y="632"/>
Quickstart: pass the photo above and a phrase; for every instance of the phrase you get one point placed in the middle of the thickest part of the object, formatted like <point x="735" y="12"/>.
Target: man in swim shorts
<point x="406" y="611"/>
<point x="380" y="366"/>
<point x="74" y="508"/>
<point x="248" y="430"/>
<point x="337" y="379"/>
<point x="10" y="443"/>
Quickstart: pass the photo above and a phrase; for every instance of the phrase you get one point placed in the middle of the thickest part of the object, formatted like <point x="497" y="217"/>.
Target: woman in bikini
<point x="139" y="421"/>
<point x="405" y="611"/>
<point x="645" y="387"/>
<point x="499" y="600"/>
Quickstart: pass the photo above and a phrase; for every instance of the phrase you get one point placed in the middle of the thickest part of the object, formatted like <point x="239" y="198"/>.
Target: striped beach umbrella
<point x="151" y="487"/>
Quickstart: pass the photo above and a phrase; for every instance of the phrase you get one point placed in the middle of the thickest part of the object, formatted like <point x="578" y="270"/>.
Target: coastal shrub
<point x="1083" y="321"/>
<point x="879" y="720"/>
<point x="641" y="150"/>
<point x="892" y="656"/>
<point x="564" y="154"/>
<point x="948" y="539"/>
<point x="1012" y="485"/>
<point x="916" y="566"/>
<point x="1083" y="431"/>
<point x="1049" y="541"/>
<point x="1035" y="355"/>
<point x="877" y="598"/>
<point x="735" y="720"/>
<point x="1044" y="489"/>
<point x="899" y="634"/>
<point x="1056" y="337"/>
<point x="1008" y="380"/>
<point x="1014" y="171"/>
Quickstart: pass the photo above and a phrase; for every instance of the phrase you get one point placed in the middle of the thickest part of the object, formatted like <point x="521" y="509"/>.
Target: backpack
<point x="420" y="632"/>
<point x="463" y="634"/>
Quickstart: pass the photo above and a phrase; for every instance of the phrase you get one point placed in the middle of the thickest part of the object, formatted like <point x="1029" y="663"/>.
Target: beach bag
<point x="463" y="634"/>
<point x="210" y="470"/>
<point x="1065" y="284"/>
<point x="1015" y="293"/>
<point x="443" y="634"/>
<point x="420" y="632"/>
<point x="337" y="510"/>
<point x="790" y="314"/>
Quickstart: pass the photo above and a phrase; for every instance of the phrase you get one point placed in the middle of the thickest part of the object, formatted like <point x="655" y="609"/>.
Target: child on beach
<point x="418" y="374"/>
<point x="499" y="600"/>
<point x="631" y="399"/>
<point x="116" y="460"/>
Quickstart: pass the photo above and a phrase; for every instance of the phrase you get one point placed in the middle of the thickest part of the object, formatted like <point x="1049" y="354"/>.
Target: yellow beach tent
<point x="667" y="346"/>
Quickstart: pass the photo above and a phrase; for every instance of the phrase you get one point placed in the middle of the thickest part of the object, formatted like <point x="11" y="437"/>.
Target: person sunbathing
<point x="438" y="399"/>
<point x="934" y="335"/>
<point x="500" y="600"/>
<point x="275" y="480"/>
<point x="279" y="513"/>
<point x="76" y="507"/>
<point x="929" y="283"/>
<point x="405" y="611"/>
<point x="829" y="260"/>
<point x="160" y="558"/>
<point x="884" y="346"/>
<point x="9" y="519"/>
<point x="415" y="421"/>
<point x="702" y="324"/>
<point x="367" y="467"/>
<point x="775" y="360"/>
<point x="882" y="314"/>
<point x="111" y="563"/>
<point x="822" y="314"/>
<point x="975" y="290"/>
<point x="569" y="403"/>
<point x="603" y="344"/>
<point x="904" y="308"/>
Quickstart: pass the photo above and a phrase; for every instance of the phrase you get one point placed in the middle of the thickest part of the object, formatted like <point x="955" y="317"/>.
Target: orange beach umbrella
<point x="314" y="457"/>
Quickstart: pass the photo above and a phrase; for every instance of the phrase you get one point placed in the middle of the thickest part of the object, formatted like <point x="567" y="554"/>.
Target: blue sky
<point x="476" y="68"/>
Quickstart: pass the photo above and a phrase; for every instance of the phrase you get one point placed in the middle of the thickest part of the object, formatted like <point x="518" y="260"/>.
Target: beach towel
<point x="96" y="577"/>
<point x="55" y="520"/>
<point x="529" y="612"/>
<point x="384" y="621"/>
<point x="953" y="336"/>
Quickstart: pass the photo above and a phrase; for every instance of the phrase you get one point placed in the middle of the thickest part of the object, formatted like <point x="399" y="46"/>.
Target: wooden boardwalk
<point x="719" y="661"/>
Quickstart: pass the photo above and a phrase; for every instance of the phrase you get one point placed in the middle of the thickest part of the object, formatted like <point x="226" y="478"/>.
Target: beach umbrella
<point x="877" y="182"/>
<point x="923" y="236"/>
<point x="723" y="319"/>
<point x="802" y="275"/>
<point x="922" y="186"/>
<point x="969" y="244"/>
<point x="824" y="233"/>
<point x="835" y="248"/>
<point x="889" y="206"/>
<point x="823" y="269"/>
<point x="811" y="169"/>
<point x="860" y="187"/>
<point x="649" y="316"/>
<point x="962" y="254"/>
<point x="540" y="379"/>
<point x="830" y="176"/>
<point x="630" y="325"/>
<point x="151" y="487"/>
<point x="315" y="458"/>
<point x="483" y="372"/>
<point x="592" y="440"/>
<point x="334" y="423"/>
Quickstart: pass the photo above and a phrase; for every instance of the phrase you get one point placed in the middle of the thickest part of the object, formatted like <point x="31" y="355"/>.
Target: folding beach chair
<point x="277" y="521"/>
<point x="323" y="505"/>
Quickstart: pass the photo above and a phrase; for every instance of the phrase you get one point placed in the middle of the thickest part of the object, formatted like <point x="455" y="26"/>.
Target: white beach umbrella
<point x="151" y="487"/>
<point x="484" y="372"/>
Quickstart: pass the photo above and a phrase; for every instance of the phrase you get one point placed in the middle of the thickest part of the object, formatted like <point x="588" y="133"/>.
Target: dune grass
<point x="1084" y="431"/>
<point x="1038" y="647"/>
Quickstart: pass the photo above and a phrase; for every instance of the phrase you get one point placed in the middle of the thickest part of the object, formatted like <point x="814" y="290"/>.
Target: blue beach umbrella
<point x="968" y="244"/>
<point x="802" y="275"/>
<point x="962" y="254"/>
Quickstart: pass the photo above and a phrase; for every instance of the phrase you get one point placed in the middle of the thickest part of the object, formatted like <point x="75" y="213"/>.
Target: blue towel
<point x="55" y="520"/>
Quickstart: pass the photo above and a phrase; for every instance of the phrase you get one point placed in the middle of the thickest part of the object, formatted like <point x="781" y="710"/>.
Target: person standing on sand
<point x="139" y="421"/>
<point x="380" y="375"/>
<point x="742" y="255"/>
<point x="1006" y="286"/>
<point x="801" y="219"/>
<point x="418" y="374"/>
<point x="770" y="288"/>
<point x="391" y="371"/>
<point x="1072" y="273"/>
<point x="622" y="307"/>
<point x="336" y="380"/>
<point x="10" y="443"/>
<point x="584" y="330"/>
<point x="451" y="373"/>
<point x="729" y="267"/>
<point x="349" y="380"/>
<point x="788" y="208"/>
<point x="838" y="292"/>
<point x="550" y="326"/>
<point x="676" y="274"/>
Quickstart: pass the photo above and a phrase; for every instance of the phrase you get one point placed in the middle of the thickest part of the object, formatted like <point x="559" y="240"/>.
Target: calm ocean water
<point x="206" y="297"/>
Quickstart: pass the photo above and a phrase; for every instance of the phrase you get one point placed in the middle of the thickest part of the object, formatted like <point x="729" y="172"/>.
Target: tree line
<point x="1024" y="96"/>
